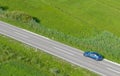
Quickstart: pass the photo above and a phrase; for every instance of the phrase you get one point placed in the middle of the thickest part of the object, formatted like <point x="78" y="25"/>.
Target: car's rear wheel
<point x="85" y="55"/>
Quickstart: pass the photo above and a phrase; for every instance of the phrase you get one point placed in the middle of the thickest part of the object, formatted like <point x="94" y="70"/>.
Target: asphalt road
<point x="70" y="54"/>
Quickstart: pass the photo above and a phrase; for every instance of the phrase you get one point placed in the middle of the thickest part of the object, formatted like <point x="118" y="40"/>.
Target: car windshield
<point x="95" y="53"/>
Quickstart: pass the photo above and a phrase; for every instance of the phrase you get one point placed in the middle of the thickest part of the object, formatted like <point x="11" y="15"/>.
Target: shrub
<point x="3" y="8"/>
<point x="22" y="17"/>
<point x="55" y="71"/>
<point x="2" y="11"/>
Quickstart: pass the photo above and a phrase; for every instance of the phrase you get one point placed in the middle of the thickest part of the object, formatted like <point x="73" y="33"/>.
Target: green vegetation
<point x="22" y="60"/>
<point x="18" y="68"/>
<point x="85" y="24"/>
<point x="22" y="17"/>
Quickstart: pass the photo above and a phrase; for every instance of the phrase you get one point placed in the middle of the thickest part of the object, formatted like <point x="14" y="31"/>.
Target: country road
<point x="70" y="54"/>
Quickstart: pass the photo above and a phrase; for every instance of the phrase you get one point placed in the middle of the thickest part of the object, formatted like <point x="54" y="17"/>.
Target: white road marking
<point x="35" y="34"/>
<point x="113" y="70"/>
<point x="109" y="65"/>
<point x="21" y="34"/>
<point x="63" y="51"/>
<point x="112" y="62"/>
<point x="25" y="30"/>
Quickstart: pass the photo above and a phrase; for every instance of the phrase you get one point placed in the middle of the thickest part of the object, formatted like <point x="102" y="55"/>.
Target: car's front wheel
<point x="97" y="59"/>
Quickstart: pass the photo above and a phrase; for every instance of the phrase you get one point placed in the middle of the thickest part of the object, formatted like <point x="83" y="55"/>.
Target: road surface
<point x="70" y="54"/>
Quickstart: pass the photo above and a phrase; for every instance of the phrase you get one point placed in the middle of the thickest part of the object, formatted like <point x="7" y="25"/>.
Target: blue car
<point x="93" y="55"/>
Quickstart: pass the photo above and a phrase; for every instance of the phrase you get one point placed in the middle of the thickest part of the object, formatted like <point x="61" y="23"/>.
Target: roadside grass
<point x="20" y="59"/>
<point x="93" y="27"/>
<point x="18" y="68"/>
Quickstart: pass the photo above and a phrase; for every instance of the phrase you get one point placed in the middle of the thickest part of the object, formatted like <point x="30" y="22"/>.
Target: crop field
<point x="22" y="60"/>
<point x="86" y="24"/>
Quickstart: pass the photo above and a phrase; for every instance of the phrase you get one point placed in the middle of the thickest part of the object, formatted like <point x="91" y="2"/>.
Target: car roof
<point x="95" y="53"/>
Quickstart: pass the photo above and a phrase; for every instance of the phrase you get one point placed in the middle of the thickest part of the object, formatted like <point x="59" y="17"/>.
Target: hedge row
<point x="19" y="16"/>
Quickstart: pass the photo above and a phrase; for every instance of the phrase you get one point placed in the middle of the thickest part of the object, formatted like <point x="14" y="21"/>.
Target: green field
<point x="22" y="60"/>
<point x="85" y="24"/>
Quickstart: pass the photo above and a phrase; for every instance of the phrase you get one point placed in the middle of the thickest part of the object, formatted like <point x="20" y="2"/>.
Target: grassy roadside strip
<point x="25" y="60"/>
